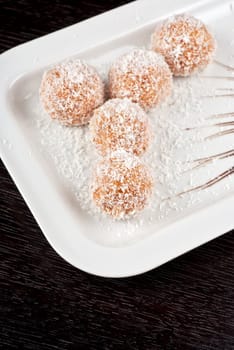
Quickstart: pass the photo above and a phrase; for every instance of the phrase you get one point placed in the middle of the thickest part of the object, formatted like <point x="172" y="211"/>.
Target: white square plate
<point x="73" y="233"/>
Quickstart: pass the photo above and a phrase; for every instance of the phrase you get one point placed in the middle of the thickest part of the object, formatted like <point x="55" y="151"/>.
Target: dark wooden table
<point x="47" y="304"/>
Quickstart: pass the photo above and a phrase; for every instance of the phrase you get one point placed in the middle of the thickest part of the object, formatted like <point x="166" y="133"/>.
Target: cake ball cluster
<point x="185" y="42"/>
<point x="72" y="93"/>
<point x="122" y="184"/>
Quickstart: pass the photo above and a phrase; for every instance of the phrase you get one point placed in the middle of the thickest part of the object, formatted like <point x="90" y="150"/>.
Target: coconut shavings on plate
<point x="171" y="159"/>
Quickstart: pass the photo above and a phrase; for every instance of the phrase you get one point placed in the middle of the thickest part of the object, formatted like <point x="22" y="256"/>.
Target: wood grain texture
<point x="187" y="304"/>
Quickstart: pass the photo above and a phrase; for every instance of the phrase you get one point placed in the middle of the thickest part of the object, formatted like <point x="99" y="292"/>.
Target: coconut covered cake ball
<point x="142" y="76"/>
<point x="70" y="91"/>
<point x="122" y="185"/>
<point x="120" y="124"/>
<point x="185" y="42"/>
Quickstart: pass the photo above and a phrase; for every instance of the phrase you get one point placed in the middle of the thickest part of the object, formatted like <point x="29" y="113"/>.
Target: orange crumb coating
<point x="185" y="42"/>
<point x="120" y="123"/>
<point x="122" y="185"/>
<point x="70" y="91"/>
<point x="142" y="76"/>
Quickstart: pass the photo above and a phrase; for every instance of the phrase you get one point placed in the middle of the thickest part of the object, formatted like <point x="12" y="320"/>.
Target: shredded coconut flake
<point x="70" y="91"/>
<point x="185" y="43"/>
<point x="142" y="76"/>
<point x="120" y="124"/>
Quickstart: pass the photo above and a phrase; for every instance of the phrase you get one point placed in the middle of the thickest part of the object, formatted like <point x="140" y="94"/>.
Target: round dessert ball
<point x="70" y="91"/>
<point x="122" y="185"/>
<point x="185" y="43"/>
<point x="120" y="124"/>
<point x="142" y="76"/>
